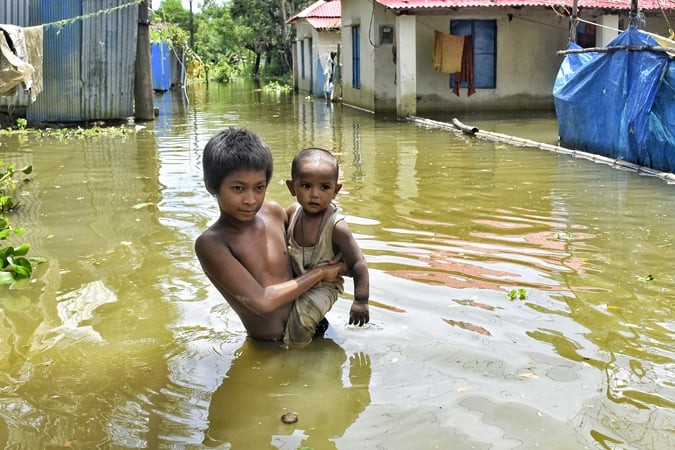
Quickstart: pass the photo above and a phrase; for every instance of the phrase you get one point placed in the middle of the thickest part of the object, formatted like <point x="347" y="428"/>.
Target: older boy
<point x="244" y="252"/>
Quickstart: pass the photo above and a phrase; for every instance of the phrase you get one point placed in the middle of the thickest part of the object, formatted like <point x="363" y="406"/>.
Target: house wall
<point x="318" y="46"/>
<point x="526" y="63"/>
<point x="526" y="66"/>
<point x="528" y="41"/>
<point x="302" y="43"/>
<point x="656" y="23"/>
<point x="358" y="13"/>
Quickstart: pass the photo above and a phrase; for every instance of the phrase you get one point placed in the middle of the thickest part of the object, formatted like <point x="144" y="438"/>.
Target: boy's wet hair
<point x="308" y="153"/>
<point x="234" y="149"/>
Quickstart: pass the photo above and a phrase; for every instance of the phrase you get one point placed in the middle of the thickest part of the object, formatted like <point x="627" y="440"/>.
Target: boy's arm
<point x="356" y="264"/>
<point x="237" y="284"/>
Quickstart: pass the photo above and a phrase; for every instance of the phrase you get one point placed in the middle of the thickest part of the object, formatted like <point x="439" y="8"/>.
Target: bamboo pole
<point x="459" y="127"/>
<point x="614" y="48"/>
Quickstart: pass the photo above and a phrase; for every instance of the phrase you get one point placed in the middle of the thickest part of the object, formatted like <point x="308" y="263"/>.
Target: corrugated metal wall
<point x="88" y="67"/>
<point x="14" y="12"/>
<point x="108" y="60"/>
<point x="60" y="96"/>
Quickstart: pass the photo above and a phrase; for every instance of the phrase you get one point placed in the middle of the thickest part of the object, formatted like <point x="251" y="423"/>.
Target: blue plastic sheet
<point x="620" y="104"/>
<point x="161" y="66"/>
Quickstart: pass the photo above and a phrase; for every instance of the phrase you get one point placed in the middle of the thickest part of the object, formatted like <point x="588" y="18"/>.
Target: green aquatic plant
<point x="8" y="185"/>
<point x="14" y="263"/>
<point x="517" y="294"/>
<point x="69" y="132"/>
<point x="564" y="236"/>
<point x="277" y="86"/>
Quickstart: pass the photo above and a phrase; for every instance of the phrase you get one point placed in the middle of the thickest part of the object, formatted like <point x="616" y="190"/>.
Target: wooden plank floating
<point x="459" y="127"/>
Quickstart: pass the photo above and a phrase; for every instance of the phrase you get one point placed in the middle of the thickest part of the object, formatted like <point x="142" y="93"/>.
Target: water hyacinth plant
<point x="14" y="263"/>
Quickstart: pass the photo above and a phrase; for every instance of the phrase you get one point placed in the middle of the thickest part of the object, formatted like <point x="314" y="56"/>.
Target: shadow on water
<point x="519" y="298"/>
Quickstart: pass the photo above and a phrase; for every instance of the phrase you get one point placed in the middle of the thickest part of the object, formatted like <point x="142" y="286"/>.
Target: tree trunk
<point x="256" y="65"/>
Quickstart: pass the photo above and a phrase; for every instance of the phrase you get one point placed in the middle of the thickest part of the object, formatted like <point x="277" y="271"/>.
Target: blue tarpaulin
<point x="161" y="66"/>
<point x="619" y="104"/>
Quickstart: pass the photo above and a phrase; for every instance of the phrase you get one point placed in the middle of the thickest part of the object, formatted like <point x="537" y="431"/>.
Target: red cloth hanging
<point x="466" y="74"/>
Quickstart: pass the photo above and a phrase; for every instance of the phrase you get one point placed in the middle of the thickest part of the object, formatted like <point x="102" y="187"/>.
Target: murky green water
<point x="121" y="342"/>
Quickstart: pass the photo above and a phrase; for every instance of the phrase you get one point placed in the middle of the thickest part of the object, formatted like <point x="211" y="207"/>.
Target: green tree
<point x="239" y="36"/>
<point x="265" y="33"/>
<point x="172" y="11"/>
<point x="219" y="42"/>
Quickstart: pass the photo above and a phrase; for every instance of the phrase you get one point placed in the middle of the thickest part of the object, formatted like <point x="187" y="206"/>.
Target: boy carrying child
<point x="244" y="252"/>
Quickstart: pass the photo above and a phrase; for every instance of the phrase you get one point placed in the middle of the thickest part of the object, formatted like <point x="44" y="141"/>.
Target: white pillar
<point x="406" y="66"/>
<point x="604" y="35"/>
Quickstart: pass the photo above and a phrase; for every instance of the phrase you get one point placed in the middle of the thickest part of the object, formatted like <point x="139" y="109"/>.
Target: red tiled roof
<point x="322" y="14"/>
<point x="606" y="4"/>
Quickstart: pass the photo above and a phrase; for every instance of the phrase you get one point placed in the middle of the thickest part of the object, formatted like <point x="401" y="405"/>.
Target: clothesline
<point x="63" y="22"/>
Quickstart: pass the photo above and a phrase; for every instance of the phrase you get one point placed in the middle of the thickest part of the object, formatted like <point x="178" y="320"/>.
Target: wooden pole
<point x="192" y="29"/>
<point x="614" y="48"/>
<point x="143" y="86"/>
<point x="574" y="21"/>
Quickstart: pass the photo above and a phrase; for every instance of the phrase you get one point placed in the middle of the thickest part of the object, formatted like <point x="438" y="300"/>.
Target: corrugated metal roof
<point x="322" y="9"/>
<point x="324" y="24"/>
<point x="607" y="4"/>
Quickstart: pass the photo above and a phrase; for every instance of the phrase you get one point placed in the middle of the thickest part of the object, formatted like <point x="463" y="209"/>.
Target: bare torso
<point x="260" y="247"/>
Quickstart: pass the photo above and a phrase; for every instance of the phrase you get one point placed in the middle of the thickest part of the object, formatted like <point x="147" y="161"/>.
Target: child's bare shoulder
<point x="273" y="210"/>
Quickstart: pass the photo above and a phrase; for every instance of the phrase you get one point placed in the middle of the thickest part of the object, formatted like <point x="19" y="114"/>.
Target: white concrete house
<point x="316" y="48"/>
<point x="390" y="51"/>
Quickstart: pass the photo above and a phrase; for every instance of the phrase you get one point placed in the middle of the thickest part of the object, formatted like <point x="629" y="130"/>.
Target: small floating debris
<point x="289" y="417"/>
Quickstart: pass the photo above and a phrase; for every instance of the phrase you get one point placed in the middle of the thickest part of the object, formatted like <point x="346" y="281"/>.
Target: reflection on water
<point x="520" y="298"/>
<point x="266" y="381"/>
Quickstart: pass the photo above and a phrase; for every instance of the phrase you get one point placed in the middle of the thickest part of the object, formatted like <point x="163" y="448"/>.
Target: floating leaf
<point x="517" y="294"/>
<point x="21" y="250"/>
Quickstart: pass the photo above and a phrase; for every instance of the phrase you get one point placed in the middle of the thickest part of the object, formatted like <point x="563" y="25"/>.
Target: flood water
<point x="121" y="341"/>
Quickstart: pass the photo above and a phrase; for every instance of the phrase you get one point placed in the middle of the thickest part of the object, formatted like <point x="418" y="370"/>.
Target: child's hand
<point x="332" y="272"/>
<point x="345" y="271"/>
<point x="359" y="314"/>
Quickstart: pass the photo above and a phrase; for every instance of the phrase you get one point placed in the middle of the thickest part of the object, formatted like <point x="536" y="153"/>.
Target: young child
<point x="316" y="234"/>
<point x="244" y="252"/>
